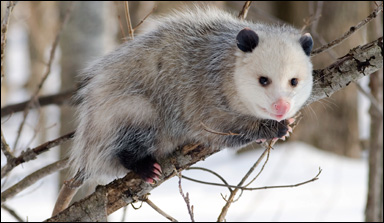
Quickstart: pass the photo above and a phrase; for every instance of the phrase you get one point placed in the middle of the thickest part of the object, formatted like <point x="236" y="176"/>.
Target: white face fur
<point x="277" y="72"/>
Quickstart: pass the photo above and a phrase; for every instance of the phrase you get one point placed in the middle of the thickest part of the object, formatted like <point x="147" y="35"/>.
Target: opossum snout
<point x="281" y="107"/>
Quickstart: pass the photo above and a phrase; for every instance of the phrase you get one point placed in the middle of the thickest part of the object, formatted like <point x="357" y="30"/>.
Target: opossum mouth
<point x="278" y="117"/>
<point x="272" y="115"/>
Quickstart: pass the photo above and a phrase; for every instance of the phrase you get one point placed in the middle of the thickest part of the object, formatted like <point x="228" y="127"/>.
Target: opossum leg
<point x="134" y="152"/>
<point x="259" y="131"/>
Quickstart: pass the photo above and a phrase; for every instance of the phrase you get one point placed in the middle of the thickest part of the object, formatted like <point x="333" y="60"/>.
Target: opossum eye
<point x="294" y="82"/>
<point x="264" y="81"/>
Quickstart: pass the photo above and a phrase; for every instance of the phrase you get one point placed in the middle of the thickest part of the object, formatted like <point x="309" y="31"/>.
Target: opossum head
<point x="273" y="73"/>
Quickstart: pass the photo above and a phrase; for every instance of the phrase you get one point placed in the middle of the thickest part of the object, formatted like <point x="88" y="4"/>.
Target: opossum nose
<point x="281" y="107"/>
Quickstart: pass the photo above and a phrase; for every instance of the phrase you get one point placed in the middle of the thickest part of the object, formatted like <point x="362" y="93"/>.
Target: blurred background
<point x="337" y="129"/>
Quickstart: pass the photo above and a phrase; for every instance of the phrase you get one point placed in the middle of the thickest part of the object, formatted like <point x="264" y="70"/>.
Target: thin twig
<point x="47" y="72"/>
<point x="186" y="199"/>
<point x="261" y="170"/>
<point x="349" y="32"/>
<point x="128" y="18"/>
<point x="267" y="146"/>
<point x="285" y="186"/>
<point x="5" y="148"/>
<point x="31" y="154"/>
<point x="58" y="99"/>
<point x="12" y="212"/>
<point x="4" y="30"/>
<point x="33" y="178"/>
<point x="318" y="13"/>
<point x="314" y="25"/>
<point x="233" y="194"/>
<point x="206" y="128"/>
<point x="209" y="171"/>
<point x="255" y="188"/>
<point x="244" y="10"/>
<point x="153" y="9"/>
<point x="150" y="203"/>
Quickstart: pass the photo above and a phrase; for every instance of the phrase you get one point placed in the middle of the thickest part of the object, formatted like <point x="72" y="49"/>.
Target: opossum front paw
<point x="148" y="169"/>
<point x="282" y="131"/>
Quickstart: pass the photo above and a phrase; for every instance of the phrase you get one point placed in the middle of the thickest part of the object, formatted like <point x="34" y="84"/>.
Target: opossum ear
<point x="307" y="43"/>
<point x="247" y="40"/>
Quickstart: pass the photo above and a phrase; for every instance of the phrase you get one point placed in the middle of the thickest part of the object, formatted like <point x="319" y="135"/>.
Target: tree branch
<point x="33" y="178"/>
<point x="349" y="32"/>
<point x="4" y="30"/>
<point x="186" y="199"/>
<point x="31" y="154"/>
<point x="128" y="18"/>
<point x="359" y="62"/>
<point x="244" y="10"/>
<point x="150" y="203"/>
<point x="57" y="99"/>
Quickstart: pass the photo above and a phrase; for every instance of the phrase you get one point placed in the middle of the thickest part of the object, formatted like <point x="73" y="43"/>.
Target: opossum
<point x="195" y="73"/>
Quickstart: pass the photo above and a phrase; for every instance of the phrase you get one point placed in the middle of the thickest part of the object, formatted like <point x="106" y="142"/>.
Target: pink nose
<point x="281" y="107"/>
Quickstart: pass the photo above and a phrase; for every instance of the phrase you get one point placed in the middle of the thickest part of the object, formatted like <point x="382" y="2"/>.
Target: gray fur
<point x="170" y="79"/>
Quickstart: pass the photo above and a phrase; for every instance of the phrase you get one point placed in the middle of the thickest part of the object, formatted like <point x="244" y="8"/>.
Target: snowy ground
<point x="338" y="195"/>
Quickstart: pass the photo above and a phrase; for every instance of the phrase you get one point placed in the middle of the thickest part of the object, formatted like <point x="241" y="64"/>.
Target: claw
<point x="157" y="172"/>
<point x="291" y="120"/>
<point x="158" y="168"/>
<point x="150" y="180"/>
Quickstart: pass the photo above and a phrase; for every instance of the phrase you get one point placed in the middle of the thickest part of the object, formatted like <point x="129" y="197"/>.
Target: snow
<point x="338" y="195"/>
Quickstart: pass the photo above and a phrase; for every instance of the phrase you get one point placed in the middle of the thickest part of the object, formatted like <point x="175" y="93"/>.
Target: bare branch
<point x="5" y="148"/>
<point x="285" y="186"/>
<point x="206" y="128"/>
<point x="150" y="203"/>
<point x="359" y="62"/>
<point x="33" y="178"/>
<point x="186" y="199"/>
<point x="31" y="154"/>
<point x="261" y="170"/>
<point x="207" y="170"/>
<point x="128" y="18"/>
<point x="349" y="32"/>
<point x="4" y="30"/>
<point x="153" y="9"/>
<point x="57" y="99"/>
<point x="244" y="11"/>
<point x="12" y="212"/>
<point x="256" y="188"/>
<point x="230" y="200"/>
